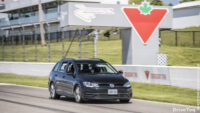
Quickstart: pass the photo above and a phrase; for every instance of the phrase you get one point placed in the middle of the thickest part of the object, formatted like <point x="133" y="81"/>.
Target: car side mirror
<point x="120" y="72"/>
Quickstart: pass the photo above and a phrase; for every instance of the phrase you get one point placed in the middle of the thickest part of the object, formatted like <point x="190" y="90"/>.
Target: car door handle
<point x="63" y="76"/>
<point x="56" y="75"/>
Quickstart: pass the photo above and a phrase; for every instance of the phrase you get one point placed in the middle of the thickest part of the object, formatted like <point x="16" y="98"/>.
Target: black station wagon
<point x="88" y="79"/>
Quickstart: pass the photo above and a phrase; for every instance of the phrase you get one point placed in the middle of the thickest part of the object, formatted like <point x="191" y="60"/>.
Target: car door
<point x="60" y="73"/>
<point x="69" y="79"/>
<point x="53" y="75"/>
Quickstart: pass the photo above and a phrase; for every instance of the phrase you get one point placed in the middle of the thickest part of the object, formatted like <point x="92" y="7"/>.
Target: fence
<point x="180" y="38"/>
<point x="27" y="47"/>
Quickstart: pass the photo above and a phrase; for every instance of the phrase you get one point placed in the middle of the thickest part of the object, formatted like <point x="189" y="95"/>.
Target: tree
<point x="153" y="2"/>
<point x="170" y="4"/>
<point x="137" y="2"/>
<point x="186" y="1"/>
<point x="157" y="2"/>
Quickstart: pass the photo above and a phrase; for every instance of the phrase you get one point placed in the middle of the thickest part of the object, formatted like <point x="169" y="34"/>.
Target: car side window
<point x="70" y="68"/>
<point x="63" y="67"/>
<point x="56" y="67"/>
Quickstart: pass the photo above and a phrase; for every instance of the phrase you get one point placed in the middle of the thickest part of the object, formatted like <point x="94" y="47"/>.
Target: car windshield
<point x="95" y="68"/>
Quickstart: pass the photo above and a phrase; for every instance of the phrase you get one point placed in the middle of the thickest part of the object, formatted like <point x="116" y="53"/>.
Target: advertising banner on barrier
<point x="146" y="74"/>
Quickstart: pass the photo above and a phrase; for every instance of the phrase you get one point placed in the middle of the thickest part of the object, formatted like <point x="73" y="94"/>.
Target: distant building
<point x="114" y="1"/>
<point x="186" y="15"/>
<point x="21" y="17"/>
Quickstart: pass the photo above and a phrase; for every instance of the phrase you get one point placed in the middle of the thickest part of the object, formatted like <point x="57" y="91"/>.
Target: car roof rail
<point x="88" y="59"/>
<point x="67" y="59"/>
<point x="98" y="59"/>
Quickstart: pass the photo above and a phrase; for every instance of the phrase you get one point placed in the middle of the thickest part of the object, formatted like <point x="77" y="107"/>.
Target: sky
<point x="174" y="2"/>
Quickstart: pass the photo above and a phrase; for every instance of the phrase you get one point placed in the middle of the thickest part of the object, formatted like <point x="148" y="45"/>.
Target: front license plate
<point x="112" y="91"/>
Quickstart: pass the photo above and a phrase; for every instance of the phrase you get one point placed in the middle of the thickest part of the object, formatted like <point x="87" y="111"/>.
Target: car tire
<point x="78" y="95"/>
<point x="53" y="94"/>
<point x="125" y="101"/>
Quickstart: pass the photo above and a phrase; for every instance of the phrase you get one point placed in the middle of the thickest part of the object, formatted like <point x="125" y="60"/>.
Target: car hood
<point x="103" y="78"/>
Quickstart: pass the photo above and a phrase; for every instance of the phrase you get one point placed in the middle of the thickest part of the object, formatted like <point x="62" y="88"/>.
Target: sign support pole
<point x="35" y="38"/>
<point x="2" y="48"/>
<point x="63" y="43"/>
<point x="96" y="37"/>
<point x="79" y="41"/>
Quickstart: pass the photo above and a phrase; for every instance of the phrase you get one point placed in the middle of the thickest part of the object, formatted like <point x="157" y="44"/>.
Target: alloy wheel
<point x="77" y="94"/>
<point x="52" y="91"/>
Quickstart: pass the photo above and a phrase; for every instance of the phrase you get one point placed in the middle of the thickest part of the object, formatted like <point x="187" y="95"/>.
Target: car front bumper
<point x="102" y="93"/>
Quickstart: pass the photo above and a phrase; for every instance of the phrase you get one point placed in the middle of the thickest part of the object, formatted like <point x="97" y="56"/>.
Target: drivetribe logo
<point x="145" y="19"/>
<point x="87" y="14"/>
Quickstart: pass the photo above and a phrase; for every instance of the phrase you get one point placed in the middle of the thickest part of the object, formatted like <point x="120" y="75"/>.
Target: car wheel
<point x="125" y="101"/>
<point x="77" y="95"/>
<point x="53" y="94"/>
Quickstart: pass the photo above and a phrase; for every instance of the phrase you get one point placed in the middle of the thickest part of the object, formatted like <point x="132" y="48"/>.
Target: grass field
<point x="182" y="56"/>
<point x="24" y="80"/>
<point x="144" y="91"/>
<point x="178" y="56"/>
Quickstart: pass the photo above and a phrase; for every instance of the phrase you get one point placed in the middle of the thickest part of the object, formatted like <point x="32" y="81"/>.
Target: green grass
<point x="182" y="56"/>
<point x="144" y="91"/>
<point x="177" y="56"/>
<point x="23" y="80"/>
<point x="164" y="93"/>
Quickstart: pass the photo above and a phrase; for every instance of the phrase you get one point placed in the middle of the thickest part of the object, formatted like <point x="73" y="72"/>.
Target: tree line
<point x="157" y="2"/>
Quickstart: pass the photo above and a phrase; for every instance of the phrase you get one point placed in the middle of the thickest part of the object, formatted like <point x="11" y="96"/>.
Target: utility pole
<point x="42" y="32"/>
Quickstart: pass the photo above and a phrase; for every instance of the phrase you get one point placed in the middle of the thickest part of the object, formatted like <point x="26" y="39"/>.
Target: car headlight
<point x="127" y="84"/>
<point x="90" y="84"/>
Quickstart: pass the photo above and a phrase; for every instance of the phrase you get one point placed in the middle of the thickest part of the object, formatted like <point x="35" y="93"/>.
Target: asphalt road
<point x="20" y="99"/>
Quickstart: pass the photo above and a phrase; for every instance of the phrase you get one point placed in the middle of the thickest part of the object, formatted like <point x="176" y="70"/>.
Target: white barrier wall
<point x="148" y="74"/>
<point x="185" y="77"/>
<point x="35" y="69"/>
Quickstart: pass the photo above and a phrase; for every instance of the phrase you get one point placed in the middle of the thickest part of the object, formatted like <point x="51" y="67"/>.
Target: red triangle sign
<point x="145" y="25"/>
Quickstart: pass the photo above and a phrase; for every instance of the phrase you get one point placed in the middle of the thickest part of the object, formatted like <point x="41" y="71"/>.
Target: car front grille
<point x="108" y="84"/>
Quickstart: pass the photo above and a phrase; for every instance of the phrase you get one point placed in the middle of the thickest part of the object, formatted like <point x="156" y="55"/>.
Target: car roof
<point x="82" y="60"/>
